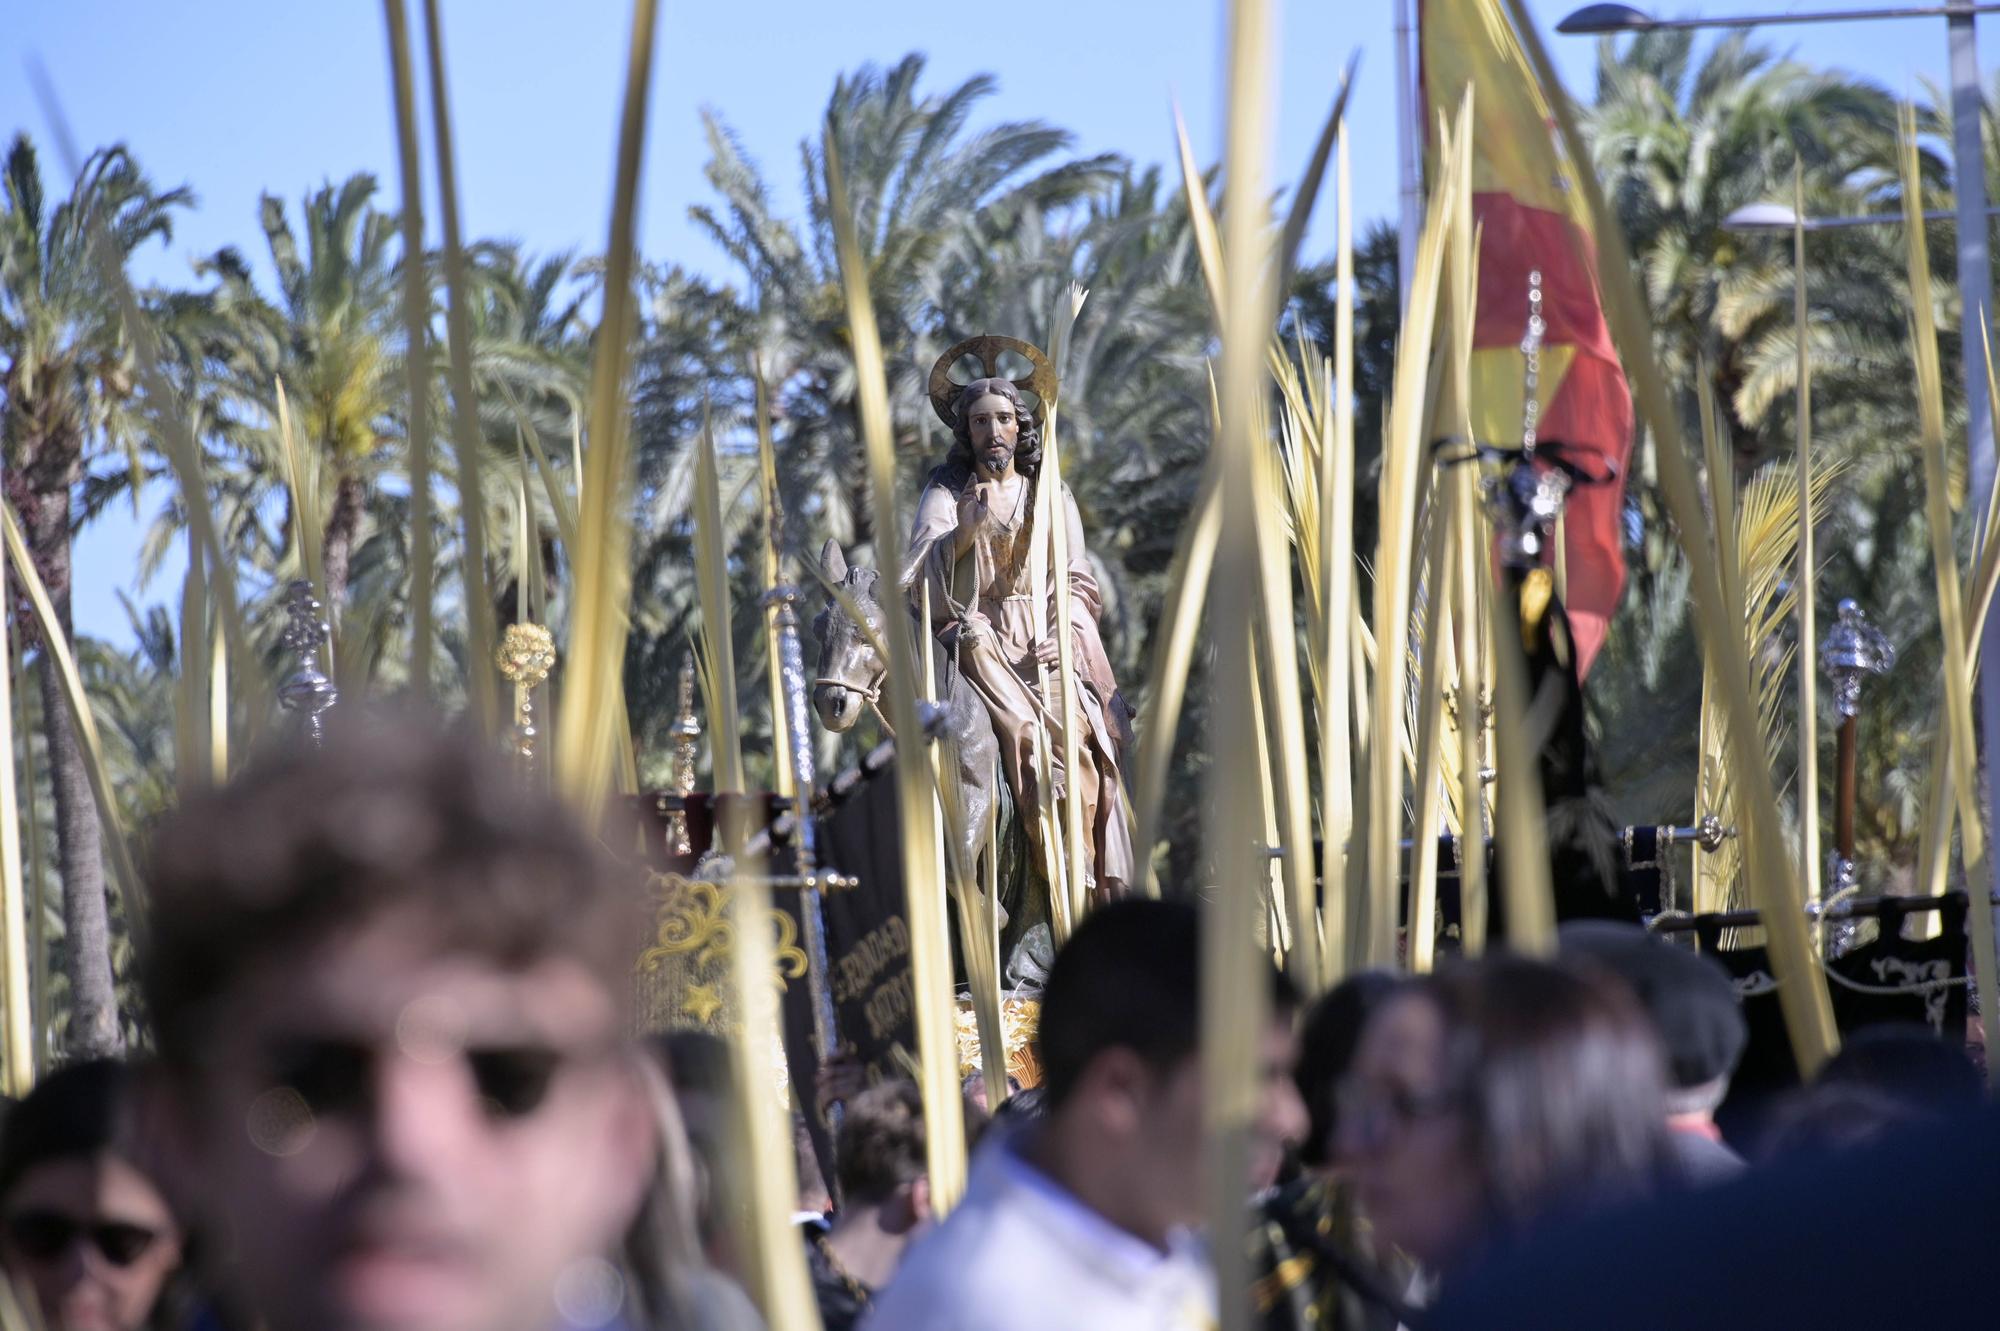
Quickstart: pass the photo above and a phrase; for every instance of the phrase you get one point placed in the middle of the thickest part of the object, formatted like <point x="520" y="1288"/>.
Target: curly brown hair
<point x="394" y="811"/>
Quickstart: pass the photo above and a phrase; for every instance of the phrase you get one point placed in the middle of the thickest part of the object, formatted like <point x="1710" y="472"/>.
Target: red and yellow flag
<point x="1531" y="218"/>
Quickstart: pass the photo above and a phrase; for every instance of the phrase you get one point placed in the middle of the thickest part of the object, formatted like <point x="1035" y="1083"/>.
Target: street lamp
<point x="1975" y="277"/>
<point x="1606" y="19"/>
<point x="1780" y="217"/>
<point x="1609" y="20"/>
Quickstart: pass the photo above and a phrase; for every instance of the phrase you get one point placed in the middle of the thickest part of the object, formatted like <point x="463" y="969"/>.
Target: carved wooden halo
<point x="1041" y="381"/>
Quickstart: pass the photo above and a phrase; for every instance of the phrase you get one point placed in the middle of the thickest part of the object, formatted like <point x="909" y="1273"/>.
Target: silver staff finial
<point x="687" y="748"/>
<point x="1853" y="650"/>
<point x="307" y="690"/>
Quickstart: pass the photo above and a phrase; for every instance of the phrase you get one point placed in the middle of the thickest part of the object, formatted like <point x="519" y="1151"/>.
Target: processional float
<point x="828" y="850"/>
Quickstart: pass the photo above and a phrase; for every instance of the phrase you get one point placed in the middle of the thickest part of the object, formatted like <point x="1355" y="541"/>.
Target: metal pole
<point x="1975" y="284"/>
<point x="1409" y="152"/>
<point x="797" y="738"/>
<point x="1975" y="278"/>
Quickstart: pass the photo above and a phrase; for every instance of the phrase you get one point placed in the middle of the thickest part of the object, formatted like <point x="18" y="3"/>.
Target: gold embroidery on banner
<point x="693" y="921"/>
<point x="701" y="1003"/>
<point x="786" y="952"/>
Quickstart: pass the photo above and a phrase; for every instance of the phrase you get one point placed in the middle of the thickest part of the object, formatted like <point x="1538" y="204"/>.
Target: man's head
<point x="1687" y="998"/>
<point x="1119" y="1044"/>
<point x="389" y="985"/>
<point x="880" y="1156"/>
<point x="993" y="429"/>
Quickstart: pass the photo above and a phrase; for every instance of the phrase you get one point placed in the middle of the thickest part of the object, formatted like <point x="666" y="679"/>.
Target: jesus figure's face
<point x="996" y="430"/>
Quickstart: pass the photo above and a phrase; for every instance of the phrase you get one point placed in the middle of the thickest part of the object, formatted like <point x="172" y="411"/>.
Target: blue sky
<point x="234" y="97"/>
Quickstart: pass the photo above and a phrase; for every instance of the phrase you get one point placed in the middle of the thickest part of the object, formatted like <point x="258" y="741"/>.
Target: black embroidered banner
<point x="1889" y="979"/>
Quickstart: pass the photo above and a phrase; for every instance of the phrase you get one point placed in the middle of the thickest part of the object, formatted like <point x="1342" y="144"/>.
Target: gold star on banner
<point x="701" y="1003"/>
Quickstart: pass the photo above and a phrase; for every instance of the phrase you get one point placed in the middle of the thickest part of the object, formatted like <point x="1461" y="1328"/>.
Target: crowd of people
<point x="394" y="1083"/>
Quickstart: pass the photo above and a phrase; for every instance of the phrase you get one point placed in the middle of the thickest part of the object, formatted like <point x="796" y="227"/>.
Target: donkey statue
<point x="850" y="677"/>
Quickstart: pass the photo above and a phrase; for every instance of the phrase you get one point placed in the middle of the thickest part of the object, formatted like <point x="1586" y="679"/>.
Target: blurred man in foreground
<point x="389" y="986"/>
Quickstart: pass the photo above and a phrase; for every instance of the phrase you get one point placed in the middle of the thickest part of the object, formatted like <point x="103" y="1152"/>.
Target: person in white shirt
<point x="1085" y="1218"/>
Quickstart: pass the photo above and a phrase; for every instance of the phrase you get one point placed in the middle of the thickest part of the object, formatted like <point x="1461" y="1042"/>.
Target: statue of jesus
<point x="970" y="545"/>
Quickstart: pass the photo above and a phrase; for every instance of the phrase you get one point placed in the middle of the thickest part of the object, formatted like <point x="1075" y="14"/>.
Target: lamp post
<point x="1779" y="217"/>
<point x="1975" y="277"/>
<point x="1610" y="20"/>
<point x="1775" y="218"/>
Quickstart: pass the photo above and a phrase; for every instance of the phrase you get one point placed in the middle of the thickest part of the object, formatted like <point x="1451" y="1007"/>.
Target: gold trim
<point x="693" y="921"/>
<point x="944" y="390"/>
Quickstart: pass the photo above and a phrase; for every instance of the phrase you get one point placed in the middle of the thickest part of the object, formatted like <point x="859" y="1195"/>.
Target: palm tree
<point x="68" y="395"/>
<point x="1680" y="148"/>
<point x="693" y="364"/>
<point x="968" y="231"/>
<point x="334" y="336"/>
<point x="530" y="370"/>
<point x="132" y="696"/>
<point x="925" y="192"/>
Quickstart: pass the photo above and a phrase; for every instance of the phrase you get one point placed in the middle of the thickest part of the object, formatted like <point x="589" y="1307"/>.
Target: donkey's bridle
<point x="871" y="693"/>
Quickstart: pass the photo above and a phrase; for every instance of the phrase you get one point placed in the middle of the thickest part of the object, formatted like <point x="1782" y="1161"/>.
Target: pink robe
<point x="998" y="660"/>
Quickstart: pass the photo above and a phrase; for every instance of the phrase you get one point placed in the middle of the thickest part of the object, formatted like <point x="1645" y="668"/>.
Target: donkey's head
<point x="851" y="671"/>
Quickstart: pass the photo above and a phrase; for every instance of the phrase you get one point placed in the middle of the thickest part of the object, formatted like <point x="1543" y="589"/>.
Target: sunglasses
<point x="335" y="1077"/>
<point x="43" y="1236"/>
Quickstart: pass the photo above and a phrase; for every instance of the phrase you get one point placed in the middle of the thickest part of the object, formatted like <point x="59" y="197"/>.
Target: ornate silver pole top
<point x="1853" y="650"/>
<point x="686" y="731"/>
<point x="1525" y="503"/>
<point x="306" y="690"/>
